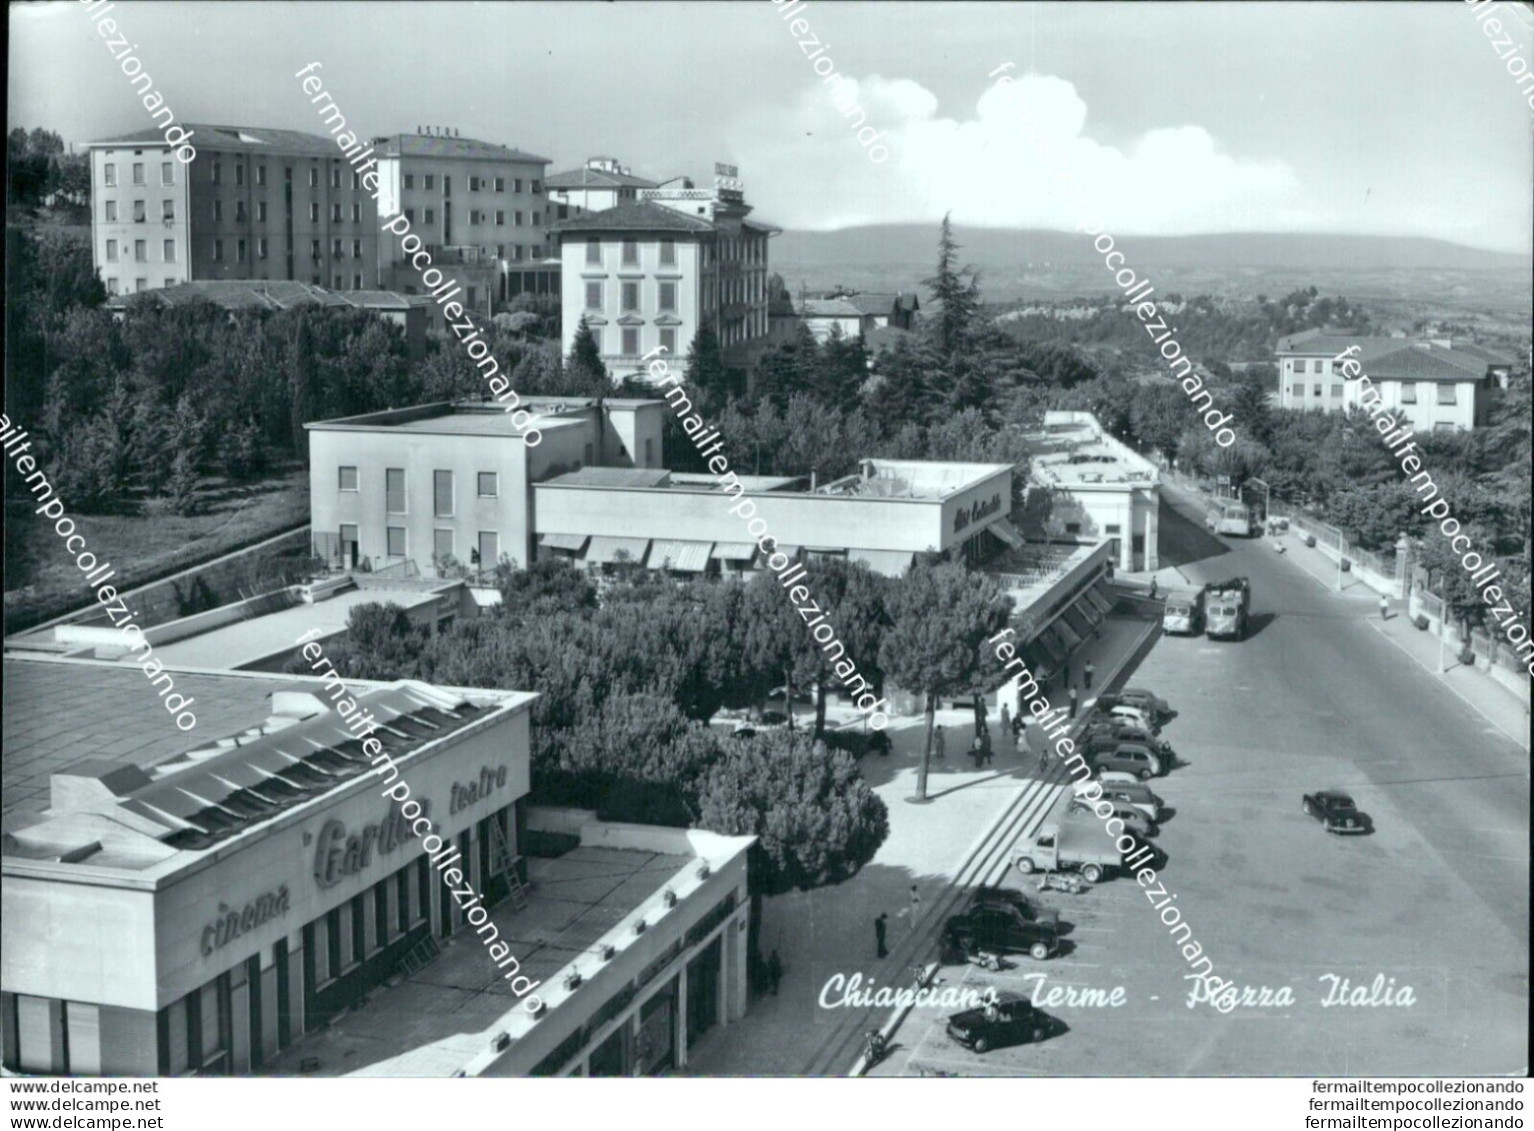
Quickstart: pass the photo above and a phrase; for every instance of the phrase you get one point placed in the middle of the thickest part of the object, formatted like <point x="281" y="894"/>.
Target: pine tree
<point x="586" y="359"/>
<point x="706" y="371"/>
<point x="958" y="298"/>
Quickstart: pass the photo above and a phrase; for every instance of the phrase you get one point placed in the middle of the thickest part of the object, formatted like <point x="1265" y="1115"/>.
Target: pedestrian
<point x="881" y="924"/>
<point x="1153" y="589"/>
<point x="1384" y="607"/>
<point x="1074" y="698"/>
<point x="987" y="755"/>
<point x="1043" y="762"/>
<point x="1086" y="675"/>
<point x="1017" y="728"/>
<point x="939" y="747"/>
<point x="977" y="751"/>
<point x="915" y="906"/>
<point x="1006" y="723"/>
<point x="774" y="972"/>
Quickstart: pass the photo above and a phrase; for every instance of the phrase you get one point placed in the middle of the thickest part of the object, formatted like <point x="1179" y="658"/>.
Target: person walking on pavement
<point x="977" y="752"/>
<point x="1006" y="724"/>
<point x="774" y="972"/>
<point x="1086" y="675"/>
<point x="1153" y="589"/>
<point x="987" y="755"/>
<point x="880" y="926"/>
<point x="915" y="906"/>
<point x="1074" y="699"/>
<point x="1384" y="607"/>
<point x="938" y="745"/>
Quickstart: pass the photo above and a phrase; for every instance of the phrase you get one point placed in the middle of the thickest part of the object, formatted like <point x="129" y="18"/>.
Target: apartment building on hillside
<point x="255" y="203"/>
<point x="1438" y="384"/>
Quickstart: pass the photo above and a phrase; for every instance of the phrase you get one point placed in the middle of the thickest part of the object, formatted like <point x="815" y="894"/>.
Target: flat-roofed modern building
<point x="246" y="899"/>
<point x="1102" y="488"/>
<point x="255" y="203"/>
<point x="449" y="486"/>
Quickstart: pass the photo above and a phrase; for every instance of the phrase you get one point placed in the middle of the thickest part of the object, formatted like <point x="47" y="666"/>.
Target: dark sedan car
<point x="1000" y="929"/>
<point x="1010" y="1020"/>
<point x="1336" y="812"/>
<point x="1027" y="907"/>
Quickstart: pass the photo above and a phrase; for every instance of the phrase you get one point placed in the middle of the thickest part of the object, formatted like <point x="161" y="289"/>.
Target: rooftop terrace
<point x="1072" y="451"/>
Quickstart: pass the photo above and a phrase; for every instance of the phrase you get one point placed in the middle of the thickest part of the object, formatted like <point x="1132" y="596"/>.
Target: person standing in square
<point x="880" y="926"/>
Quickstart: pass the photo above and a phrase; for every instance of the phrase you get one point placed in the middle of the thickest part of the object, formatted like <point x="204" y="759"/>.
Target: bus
<point x="1231" y="517"/>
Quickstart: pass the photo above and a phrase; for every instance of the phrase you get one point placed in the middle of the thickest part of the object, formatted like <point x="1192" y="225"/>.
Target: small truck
<point x="1076" y="846"/>
<point x="1183" y="614"/>
<point x="1226" y="605"/>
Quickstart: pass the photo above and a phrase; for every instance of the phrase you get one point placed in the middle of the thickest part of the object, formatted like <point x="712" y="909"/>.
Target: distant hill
<point x="1028" y="264"/>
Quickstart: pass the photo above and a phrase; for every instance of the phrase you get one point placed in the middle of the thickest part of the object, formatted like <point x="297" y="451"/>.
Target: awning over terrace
<point x="685" y="557"/>
<point x="605" y="550"/>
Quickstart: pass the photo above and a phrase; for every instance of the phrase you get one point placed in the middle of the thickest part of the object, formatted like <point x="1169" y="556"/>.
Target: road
<point x="1436" y="899"/>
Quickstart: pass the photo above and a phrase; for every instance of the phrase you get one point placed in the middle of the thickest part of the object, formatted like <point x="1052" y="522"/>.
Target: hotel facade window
<point x="169" y="251"/>
<point x="140" y="251"/>
<point x="593" y="296"/>
<point x="111" y="251"/>
<point x="442" y="494"/>
<point x="138" y="172"/>
<point x="630" y="296"/>
<point x="139" y="212"/>
<point x="593" y="249"/>
<point x="488" y="485"/>
<point x="630" y="252"/>
<point x="668" y="340"/>
<point x="397" y="545"/>
<point x="394" y="490"/>
<point x="441" y="544"/>
<point x="346" y="478"/>
<point x="168" y="173"/>
<point x="167" y="209"/>
<point x="668" y="297"/>
<point x="1408" y="392"/>
<point x="630" y="341"/>
<point x="111" y="211"/>
<point x="668" y="253"/>
<point x="489" y="549"/>
<point x="109" y="175"/>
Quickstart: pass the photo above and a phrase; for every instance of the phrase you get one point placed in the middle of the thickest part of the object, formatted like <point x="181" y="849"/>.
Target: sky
<point x="1373" y="118"/>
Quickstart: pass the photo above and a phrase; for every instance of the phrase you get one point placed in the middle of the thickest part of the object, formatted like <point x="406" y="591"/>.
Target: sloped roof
<point x="428" y="145"/>
<point x="881" y="302"/>
<point x="242" y="139"/>
<point x="636" y="216"/>
<point x="827" y="308"/>
<point x="1417" y="363"/>
<point x="586" y="177"/>
<point x="265" y="294"/>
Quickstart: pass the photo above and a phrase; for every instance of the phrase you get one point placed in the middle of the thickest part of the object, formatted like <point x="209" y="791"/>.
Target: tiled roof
<point x="1486" y="353"/>
<point x="426" y="145"/>
<point x="237" y="139"/>
<point x="881" y="302"/>
<point x="1396" y="358"/>
<point x="1415" y="363"/>
<point x="585" y="177"/>
<point x="828" y="308"/>
<point x="1312" y="343"/>
<point x="638" y="216"/>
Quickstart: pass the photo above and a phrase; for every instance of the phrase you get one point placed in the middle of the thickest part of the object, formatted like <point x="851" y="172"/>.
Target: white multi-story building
<point x="650" y="272"/>
<point x="1434" y="383"/>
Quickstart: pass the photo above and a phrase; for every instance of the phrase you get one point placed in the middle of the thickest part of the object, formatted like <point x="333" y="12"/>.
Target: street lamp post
<point x="1342" y="550"/>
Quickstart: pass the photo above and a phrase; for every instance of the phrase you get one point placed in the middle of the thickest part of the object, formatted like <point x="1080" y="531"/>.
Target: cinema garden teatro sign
<point x="338" y="854"/>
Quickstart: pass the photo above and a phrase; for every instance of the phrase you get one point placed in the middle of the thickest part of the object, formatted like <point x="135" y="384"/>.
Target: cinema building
<point x="458" y="484"/>
<point x="244" y="899"/>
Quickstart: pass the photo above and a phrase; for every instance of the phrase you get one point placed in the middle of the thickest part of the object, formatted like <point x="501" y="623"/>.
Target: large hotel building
<point x="255" y="203"/>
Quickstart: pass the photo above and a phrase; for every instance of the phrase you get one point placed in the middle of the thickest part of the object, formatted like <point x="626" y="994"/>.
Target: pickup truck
<point x="1226" y="607"/>
<point x="1069" y="847"/>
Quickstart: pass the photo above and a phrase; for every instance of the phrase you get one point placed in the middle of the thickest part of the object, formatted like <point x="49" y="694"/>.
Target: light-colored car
<point x="1130" y="756"/>
<point x="1139" y="795"/>
<point x="1134" y="715"/>
<point x="1116" y="777"/>
<point x="1134" y="820"/>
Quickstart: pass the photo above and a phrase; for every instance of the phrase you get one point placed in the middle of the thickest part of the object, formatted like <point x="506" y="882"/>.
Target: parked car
<point x="1134" y="714"/>
<point x="1011" y="1019"/>
<point x="1028" y="907"/>
<point x="1125" y="730"/>
<point x="1133" y="757"/>
<point x="1116" y="777"/>
<point x="1001" y="929"/>
<point x="1336" y="811"/>
<point x="1137" y="794"/>
<point x="1148" y="701"/>
<point x="1134" y="821"/>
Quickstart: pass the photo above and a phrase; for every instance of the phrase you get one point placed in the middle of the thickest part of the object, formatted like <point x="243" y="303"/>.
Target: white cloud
<point x="806" y="168"/>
